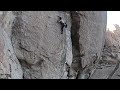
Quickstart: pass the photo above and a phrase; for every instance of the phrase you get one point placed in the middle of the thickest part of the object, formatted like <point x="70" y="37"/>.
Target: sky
<point x="113" y="17"/>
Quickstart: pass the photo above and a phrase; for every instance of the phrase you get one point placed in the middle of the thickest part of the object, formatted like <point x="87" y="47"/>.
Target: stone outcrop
<point x="110" y="56"/>
<point x="40" y="51"/>
<point x="10" y="67"/>
<point x="39" y="44"/>
<point x="88" y="34"/>
<point x="92" y="34"/>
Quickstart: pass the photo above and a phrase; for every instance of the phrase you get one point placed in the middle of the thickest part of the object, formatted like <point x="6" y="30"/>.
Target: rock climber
<point x="63" y="24"/>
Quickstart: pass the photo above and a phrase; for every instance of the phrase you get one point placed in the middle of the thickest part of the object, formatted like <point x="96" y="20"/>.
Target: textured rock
<point x="104" y="69"/>
<point x="92" y="33"/>
<point x="113" y="38"/>
<point x="10" y="67"/>
<point x="110" y="51"/>
<point x="32" y="46"/>
<point x="88" y="37"/>
<point x="39" y="44"/>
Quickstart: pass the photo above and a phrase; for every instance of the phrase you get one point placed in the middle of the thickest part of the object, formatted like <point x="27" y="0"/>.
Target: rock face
<point x="113" y="38"/>
<point x="92" y="34"/>
<point x="110" y="56"/>
<point x="39" y="44"/>
<point x="88" y="37"/>
<point x="10" y="67"/>
<point x="34" y="38"/>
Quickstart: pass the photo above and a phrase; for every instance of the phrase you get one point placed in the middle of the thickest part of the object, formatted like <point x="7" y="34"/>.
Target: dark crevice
<point x="75" y="21"/>
<point x="75" y="29"/>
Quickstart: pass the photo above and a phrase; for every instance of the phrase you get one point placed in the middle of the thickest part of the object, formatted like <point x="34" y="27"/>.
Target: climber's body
<point x="63" y="24"/>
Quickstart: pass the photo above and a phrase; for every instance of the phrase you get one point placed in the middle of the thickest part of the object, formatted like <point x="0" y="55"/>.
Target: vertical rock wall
<point x="92" y="33"/>
<point x="39" y="44"/>
<point x="36" y="44"/>
<point x="88" y="37"/>
<point x="10" y="67"/>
